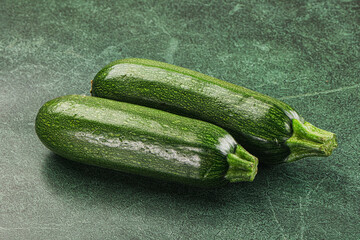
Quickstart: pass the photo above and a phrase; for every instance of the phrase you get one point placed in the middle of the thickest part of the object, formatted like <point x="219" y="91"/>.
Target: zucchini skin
<point x="261" y="124"/>
<point x="136" y="139"/>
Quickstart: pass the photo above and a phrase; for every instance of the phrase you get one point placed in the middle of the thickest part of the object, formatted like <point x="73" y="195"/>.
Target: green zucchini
<point x="266" y="127"/>
<point x="143" y="141"/>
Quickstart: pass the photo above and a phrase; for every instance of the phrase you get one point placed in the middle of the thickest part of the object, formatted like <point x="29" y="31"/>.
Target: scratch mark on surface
<point x="294" y="178"/>
<point x="235" y="9"/>
<point x="218" y="234"/>
<point x="273" y="212"/>
<point x="170" y="51"/>
<point x="316" y="188"/>
<point x="274" y="216"/>
<point x="305" y="205"/>
<point x="302" y="227"/>
<point x="320" y="93"/>
<point x="159" y="22"/>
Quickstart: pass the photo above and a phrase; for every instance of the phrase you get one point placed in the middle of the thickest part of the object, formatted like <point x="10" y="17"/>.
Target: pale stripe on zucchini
<point x="143" y="141"/>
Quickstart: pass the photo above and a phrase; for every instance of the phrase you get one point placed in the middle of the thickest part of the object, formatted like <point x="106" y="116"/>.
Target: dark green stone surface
<point x="303" y="52"/>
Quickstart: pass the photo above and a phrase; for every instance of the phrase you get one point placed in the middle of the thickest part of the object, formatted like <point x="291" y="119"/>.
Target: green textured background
<point x="303" y="52"/>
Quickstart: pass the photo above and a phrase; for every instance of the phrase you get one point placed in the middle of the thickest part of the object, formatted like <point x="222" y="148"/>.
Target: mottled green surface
<point x="303" y="52"/>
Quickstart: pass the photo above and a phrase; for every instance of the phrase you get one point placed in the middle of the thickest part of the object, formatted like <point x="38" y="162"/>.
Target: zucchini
<point x="266" y="127"/>
<point x="144" y="141"/>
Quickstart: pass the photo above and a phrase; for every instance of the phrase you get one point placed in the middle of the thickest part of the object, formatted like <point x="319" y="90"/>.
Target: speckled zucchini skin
<point x="135" y="139"/>
<point x="261" y="124"/>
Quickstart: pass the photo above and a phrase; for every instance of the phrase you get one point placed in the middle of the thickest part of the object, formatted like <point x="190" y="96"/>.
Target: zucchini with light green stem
<point x="144" y="141"/>
<point x="266" y="127"/>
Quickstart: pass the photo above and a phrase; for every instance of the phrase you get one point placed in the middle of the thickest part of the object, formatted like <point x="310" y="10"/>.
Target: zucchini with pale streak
<point x="144" y="141"/>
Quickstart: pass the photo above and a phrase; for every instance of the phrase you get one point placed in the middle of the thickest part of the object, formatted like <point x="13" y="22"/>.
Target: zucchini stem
<point x="308" y="140"/>
<point x="242" y="166"/>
